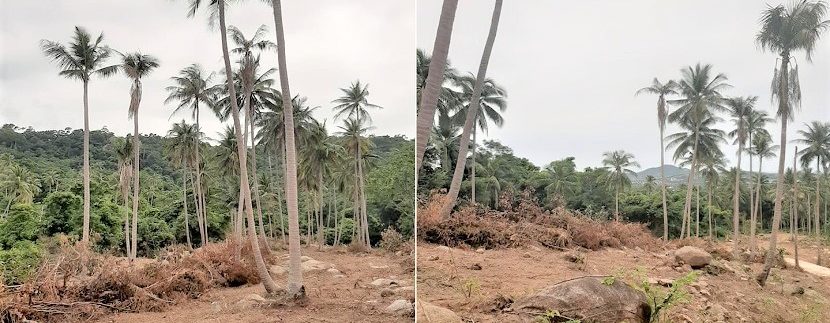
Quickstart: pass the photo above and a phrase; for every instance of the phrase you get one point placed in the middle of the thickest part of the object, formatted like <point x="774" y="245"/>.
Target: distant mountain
<point x="675" y="176"/>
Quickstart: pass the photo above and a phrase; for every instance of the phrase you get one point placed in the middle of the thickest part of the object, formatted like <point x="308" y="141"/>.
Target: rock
<point x="790" y="289"/>
<point x="378" y="266"/>
<point x="277" y="270"/>
<point x="526" y="255"/>
<point x="535" y="248"/>
<point x="386" y="292"/>
<point x="333" y="271"/>
<point x="444" y="248"/>
<point x="433" y="258"/>
<point x="588" y="297"/>
<point x="480" y="250"/>
<point x="693" y="256"/>
<point x="251" y="301"/>
<point x="475" y="266"/>
<point x="574" y="257"/>
<point x="384" y="282"/>
<point x="312" y="265"/>
<point x="400" y="307"/>
<point x="428" y="312"/>
<point x="660" y="281"/>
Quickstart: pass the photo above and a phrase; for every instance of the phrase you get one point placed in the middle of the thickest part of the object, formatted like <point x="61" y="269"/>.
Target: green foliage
<point x="662" y="300"/>
<point x="391" y="186"/>
<point x="22" y="224"/>
<point x="61" y="211"/>
<point x="19" y="262"/>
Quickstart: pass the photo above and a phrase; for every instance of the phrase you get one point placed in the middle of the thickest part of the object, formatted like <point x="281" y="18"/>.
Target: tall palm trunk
<point x="184" y="204"/>
<point x="200" y="198"/>
<point x="435" y="79"/>
<point x="783" y="101"/>
<point x="687" y="207"/>
<point x="736" y="200"/>
<point x="749" y="182"/>
<point x="795" y="206"/>
<point x="617" y="205"/>
<point x="320" y="226"/>
<point x="136" y="184"/>
<point x="85" y="235"/>
<point x="295" y="275"/>
<point x="473" y="170"/>
<point x="709" y="209"/>
<point x="697" y="212"/>
<point x="249" y="117"/>
<point x="199" y="219"/>
<point x="127" y="240"/>
<point x="472" y="112"/>
<point x="817" y="220"/>
<point x="363" y="209"/>
<point x="756" y="210"/>
<point x="663" y="187"/>
<point x="262" y="270"/>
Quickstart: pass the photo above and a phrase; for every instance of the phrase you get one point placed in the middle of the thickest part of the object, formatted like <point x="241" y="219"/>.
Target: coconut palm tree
<point x="763" y="148"/>
<point x="700" y="97"/>
<point x="183" y="141"/>
<point x="784" y="31"/>
<point x="816" y="138"/>
<point x="136" y="66"/>
<point x="620" y="164"/>
<point x="124" y="158"/>
<point x="85" y="57"/>
<point x="357" y="146"/>
<point x="445" y="136"/>
<point x="713" y="166"/>
<point x="20" y="184"/>
<point x="295" y="275"/>
<point x="492" y="103"/>
<point x="354" y="102"/>
<point x="755" y="126"/>
<point x="471" y="114"/>
<point x="699" y="139"/>
<point x="192" y="90"/>
<point x="449" y="96"/>
<point x="428" y="98"/>
<point x="661" y="90"/>
<point x="217" y="10"/>
<point x="740" y="109"/>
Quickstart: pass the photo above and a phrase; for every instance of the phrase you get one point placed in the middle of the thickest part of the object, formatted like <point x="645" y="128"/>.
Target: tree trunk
<point x="472" y="112"/>
<point x="795" y="206"/>
<point x="687" y="207"/>
<point x="262" y="270"/>
<point x="199" y="219"/>
<point x="184" y="204"/>
<point x="200" y="198"/>
<point x="435" y="79"/>
<point x="127" y="240"/>
<point x="251" y="119"/>
<point x="295" y="275"/>
<point x="363" y="209"/>
<point x="320" y="227"/>
<point x="736" y="200"/>
<point x="783" y="101"/>
<point x="709" y="202"/>
<point x="817" y="220"/>
<point x="136" y="184"/>
<point x="85" y="235"/>
<point x="473" y="166"/>
<point x="617" y="205"/>
<point x="663" y="186"/>
<point x="756" y="210"/>
<point x="697" y="212"/>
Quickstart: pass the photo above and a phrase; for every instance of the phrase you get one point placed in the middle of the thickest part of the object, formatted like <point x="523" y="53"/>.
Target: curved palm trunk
<point x="472" y="112"/>
<point x="687" y="207"/>
<point x="262" y="270"/>
<point x="663" y="187"/>
<point x="249" y="117"/>
<point x="736" y="201"/>
<point x="783" y="101"/>
<point x="85" y="234"/>
<point x="137" y="183"/>
<point x="435" y="79"/>
<point x="473" y="170"/>
<point x="295" y="275"/>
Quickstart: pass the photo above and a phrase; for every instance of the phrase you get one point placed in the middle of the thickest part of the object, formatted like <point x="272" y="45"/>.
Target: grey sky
<point x="329" y="45"/>
<point x="571" y="69"/>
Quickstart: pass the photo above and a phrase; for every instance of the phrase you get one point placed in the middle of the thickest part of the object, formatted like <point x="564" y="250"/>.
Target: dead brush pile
<point x="74" y="284"/>
<point x="527" y="223"/>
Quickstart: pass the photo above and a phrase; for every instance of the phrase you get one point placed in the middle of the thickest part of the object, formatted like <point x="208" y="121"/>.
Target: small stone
<point x="400" y="307"/>
<point x="433" y="258"/>
<point x="444" y="248"/>
<point x="386" y="292"/>
<point x="535" y="248"/>
<point x="333" y="271"/>
<point x="475" y="266"/>
<point x="526" y="255"/>
<point x="384" y="282"/>
<point x="480" y="250"/>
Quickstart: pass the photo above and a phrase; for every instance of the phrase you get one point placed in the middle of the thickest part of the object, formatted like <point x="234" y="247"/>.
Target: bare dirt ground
<point x="351" y="298"/>
<point x="468" y="281"/>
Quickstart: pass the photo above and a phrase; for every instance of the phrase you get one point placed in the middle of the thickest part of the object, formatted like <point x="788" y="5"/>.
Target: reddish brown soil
<point x="447" y="278"/>
<point x="330" y="299"/>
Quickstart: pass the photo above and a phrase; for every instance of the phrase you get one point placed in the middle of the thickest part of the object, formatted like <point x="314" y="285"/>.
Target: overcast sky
<point x="571" y="69"/>
<point x="329" y="45"/>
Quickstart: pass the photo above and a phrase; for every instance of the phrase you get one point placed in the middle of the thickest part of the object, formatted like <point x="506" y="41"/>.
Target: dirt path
<point x="351" y="298"/>
<point x="809" y="267"/>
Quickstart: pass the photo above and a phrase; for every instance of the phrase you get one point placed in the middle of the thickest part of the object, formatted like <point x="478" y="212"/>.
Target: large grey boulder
<point x="429" y="313"/>
<point x="588" y="299"/>
<point x="693" y="256"/>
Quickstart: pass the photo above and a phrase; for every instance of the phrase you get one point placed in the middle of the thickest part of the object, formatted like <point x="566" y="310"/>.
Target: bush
<point x="391" y="240"/>
<point x="19" y="262"/>
<point x="22" y="224"/>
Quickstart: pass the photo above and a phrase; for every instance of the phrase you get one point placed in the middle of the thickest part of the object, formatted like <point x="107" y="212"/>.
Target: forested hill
<point x="43" y="151"/>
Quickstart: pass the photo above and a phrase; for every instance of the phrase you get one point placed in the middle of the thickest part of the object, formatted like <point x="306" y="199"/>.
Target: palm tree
<point x="445" y="136"/>
<point x="295" y="275"/>
<point x="713" y="166"/>
<point x="662" y="90"/>
<point x="700" y="97"/>
<point x="181" y="147"/>
<point x="124" y="158"/>
<point x="136" y="66"/>
<point x="492" y="102"/>
<point x="785" y="30"/>
<point x="354" y="103"/>
<point x="763" y="148"/>
<point x="20" y="184"/>
<point x="192" y="90"/>
<point x="620" y="163"/>
<point x="755" y="127"/>
<point x="428" y="98"/>
<point x="357" y="146"/>
<point x="471" y="114"/>
<point x="84" y="58"/>
<point x="817" y="141"/>
<point x="699" y="140"/>
<point x="217" y="8"/>
<point x="740" y="109"/>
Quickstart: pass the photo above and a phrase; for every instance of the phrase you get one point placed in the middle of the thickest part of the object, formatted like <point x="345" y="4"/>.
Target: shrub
<point x="391" y="240"/>
<point x="20" y="262"/>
